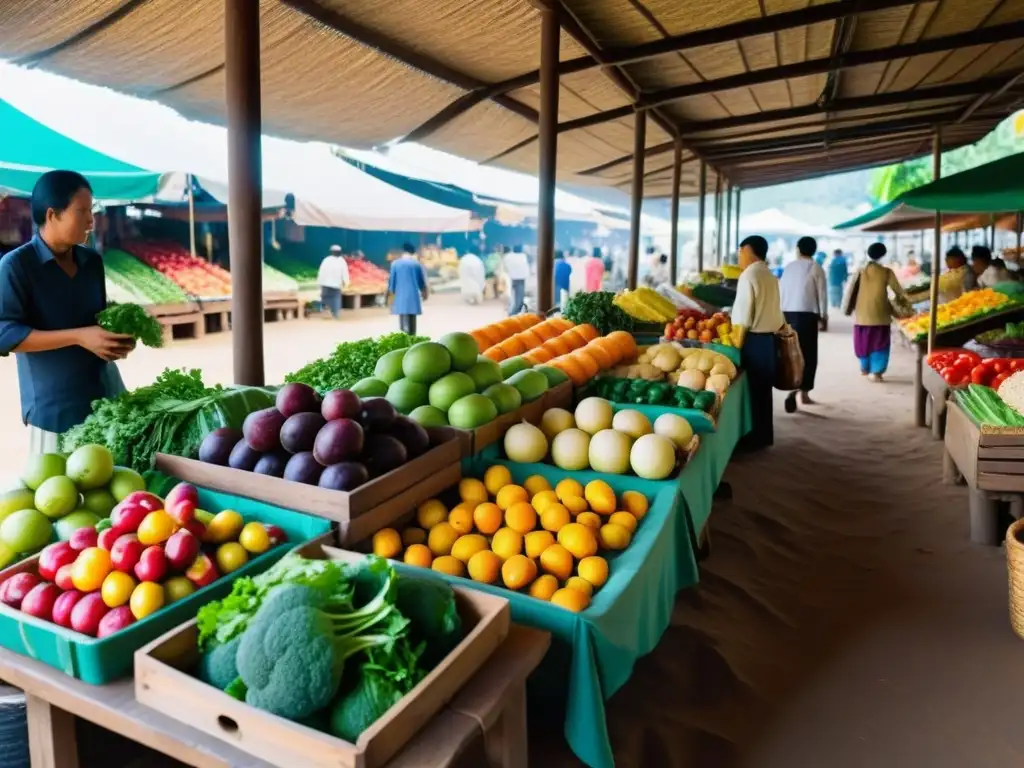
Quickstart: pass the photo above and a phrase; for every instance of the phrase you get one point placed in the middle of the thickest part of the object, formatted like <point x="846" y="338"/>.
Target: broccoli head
<point x="217" y="667"/>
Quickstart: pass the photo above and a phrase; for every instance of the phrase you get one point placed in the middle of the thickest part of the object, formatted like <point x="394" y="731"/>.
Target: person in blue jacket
<point x="407" y="289"/>
<point x="563" y="270"/>
<point x="838" y="272"/>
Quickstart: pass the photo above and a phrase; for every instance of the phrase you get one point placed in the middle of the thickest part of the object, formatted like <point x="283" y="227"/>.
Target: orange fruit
<point x="537" y="541"/>
<point x="635" y="503"/>
<point x="613" y="536"/>
<point x="534" y="484"/>
<point x="590" y="519"/>
<point x="558" y="346"/>
<point x="484" y="567"/>
<point x="512" y="346"/>
<point x="482" y="342"/>
<point x="509" y="495"/>
<point x="600" y="354"/>
<point x="414" y="535"/>
<point x="600" y="497"/>
<point x="538" y="356"/>
<point x="506" y="543"/>
<point x="571" y="599"/>
<point x="578" y="539"/>
<point x="543" y="498"/>
<point x="441" y="538"/>
<point x="561" y="324"/>
<point x="594" y="570"/>
<point x="625" y="342"/>
<point x="544" y="587"/>
<point x="490" y="334"/>
<point x="567" y="487"/>
<point x="487" y="518"/>
<point x="419" y="555"/>
<point x="521" y="517"/>
<point x="608" y="346"/>
<point x="572" y="368"/>
<point x="573" y="338"/>
<point x="448" y="564"/>
<point x="575" y="504"/>
<point x="555" y="517"/>
<point x="494" y="353"/>
<point x="508" y="327"/>
<point x="530" y="339"/>
<point x="580" y="584"/>
<point x="495" y="478"/>
<point x="587" y="331"/>
<point x="472" y="491"/>
<point x="544" y="330"/>
<point x="587" y="363"/>
<point x="430" y="513"/>
<point x="467" y="546"/>
<point x="557" y="560"/>
<point x="461" y="519"/>
<point x="518" y="571"/>
<point x="624" y="519"/>
<point x="529" y="319"/>
<point x="387" y="542"/>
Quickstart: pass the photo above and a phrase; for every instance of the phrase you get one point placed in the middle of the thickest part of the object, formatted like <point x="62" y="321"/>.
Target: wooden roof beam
<point x="984" y="98"/>
<point x="842" y="40"/>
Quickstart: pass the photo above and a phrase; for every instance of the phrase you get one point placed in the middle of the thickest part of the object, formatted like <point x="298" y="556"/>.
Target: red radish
<point x="108" y="537"/>
<point x="39" y="601"/>
<point x="275" y="534"/>
<point x="87" y="613"/>
<point x="64" y="605"/>
<point x="202" y="571"/>
<point x="152" y="565"/>
<point x="63" y="577"/>
<point x="53" y="557"/>
<point x="181" y="550"/>
<point x="14" y="589"/>
<point x="125" y="553"/>
<point x="83" y="538"/>
<point x="116" y="620"/>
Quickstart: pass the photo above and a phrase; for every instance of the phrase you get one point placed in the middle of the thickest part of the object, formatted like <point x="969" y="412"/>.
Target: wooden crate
<point x="162" y="683"/>
<point x="216" y="315"/>
<point x="355" y="511"/>
<point x="281" y="305"/>
<point x="190" y="325"/>
<point x="989" y="458"/>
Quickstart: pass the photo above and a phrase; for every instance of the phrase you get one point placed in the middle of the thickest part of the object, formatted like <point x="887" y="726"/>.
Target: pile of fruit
<point x="595" y="437"/>
<point x="365" y="276"/>
<point x="145" y="283"/>
<point x="960" y="367"/>
<point x="61" y="495"/>
<point x="646" y="305"/>
<point x="694" y="325"/>
<point x="148" y="554"/>
<point x="969" y="306"/>
<point x="195" y="276"/>
<point x="691" y="367"/>
<point x="529" y="537"/>
<point x="646" y="392"/>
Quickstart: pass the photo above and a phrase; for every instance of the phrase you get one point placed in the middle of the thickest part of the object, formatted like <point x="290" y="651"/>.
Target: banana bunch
<point x="646" y="305"/>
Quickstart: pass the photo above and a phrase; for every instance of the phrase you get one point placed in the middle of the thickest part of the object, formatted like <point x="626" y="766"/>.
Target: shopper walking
<point x="517" y="267"/>
<point x="563" y="273"/>
<point x="757" y="317"/>
<point x="805" y="307"/>
<point x="472" y="278"/>
<point x="867" y="297"/>
<point x="838" y="273"/>
<point x="407" y="289"/>
<point x="332" y="278"/>
<point x="593" y="271"/>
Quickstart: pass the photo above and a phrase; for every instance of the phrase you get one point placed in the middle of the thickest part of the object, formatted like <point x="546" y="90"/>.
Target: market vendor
<point x="51" y="290"/>
<point x="987" y="272"/>
<point x="957" y="278"/>
<point x="756" y="318"/>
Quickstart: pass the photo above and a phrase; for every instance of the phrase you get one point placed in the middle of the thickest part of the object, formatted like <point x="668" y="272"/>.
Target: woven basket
<point x="1015" y="574"/>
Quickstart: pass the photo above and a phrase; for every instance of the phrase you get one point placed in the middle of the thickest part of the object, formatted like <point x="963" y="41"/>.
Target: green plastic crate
<point x="702" y="422"/>
<point x="98" y="661"/>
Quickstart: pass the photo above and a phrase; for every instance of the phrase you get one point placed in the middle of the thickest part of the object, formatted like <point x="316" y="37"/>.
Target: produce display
<point x="598" y="309"/>
<point x="133" y="320"/>
<point x="492" y="335"/>
<point x="596" y="437"/>
<point x="149" y="553"/>
<point x="329" y="645"/>
<point x="986" y="406"/>
<point x="273" y="280"/>
<point x="195" y="276"/>
<point x="1012" y="335"/>
<point x="532" y="537"/>
<point x="694" y="325"/>
<point x="646" y="305"/>
<point x="714" y="294"/>
<point x="302" y="272"/>
<point x="647" y="392"/>
<point x="350" y="362"/>
<point x="960" y="367"/>
<point x="141" y="280"/>
<point x="338" y="442"/>
<point x="172" y="415"/>
<point x="691" y="367"/>
<point x="965" y="308"/>
<point x="523" y="334"/>
<point x="365" y="276"/>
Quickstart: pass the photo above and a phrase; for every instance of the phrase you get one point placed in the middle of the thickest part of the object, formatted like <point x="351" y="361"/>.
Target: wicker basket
<point x="1015" y="574"/>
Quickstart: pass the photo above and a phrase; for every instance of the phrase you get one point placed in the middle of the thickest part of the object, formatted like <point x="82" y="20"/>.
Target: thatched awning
<point x="766" y="91"/>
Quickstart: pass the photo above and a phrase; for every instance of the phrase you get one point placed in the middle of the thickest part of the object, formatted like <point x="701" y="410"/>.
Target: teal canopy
<point x="30" y="149"/>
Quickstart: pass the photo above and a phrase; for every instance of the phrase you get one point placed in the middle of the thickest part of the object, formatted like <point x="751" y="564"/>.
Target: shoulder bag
<point x="850" y="295"/>
<point x="789" y="364"/>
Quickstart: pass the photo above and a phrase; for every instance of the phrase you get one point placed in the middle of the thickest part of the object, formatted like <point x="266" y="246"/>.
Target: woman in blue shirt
<point x="407" y="288"/>
<point x="51" y="290"/>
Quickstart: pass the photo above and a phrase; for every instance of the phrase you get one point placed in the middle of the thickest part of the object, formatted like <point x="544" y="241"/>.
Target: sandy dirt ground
<point x="843" y="618"/>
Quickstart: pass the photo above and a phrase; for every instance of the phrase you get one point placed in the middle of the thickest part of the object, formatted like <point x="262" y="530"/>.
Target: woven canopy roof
<point x="766" y="91"/>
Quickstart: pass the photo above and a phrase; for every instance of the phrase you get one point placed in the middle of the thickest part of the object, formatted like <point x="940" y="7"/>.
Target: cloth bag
<point x="849" y="303"/>
<point x="789" y="368"/>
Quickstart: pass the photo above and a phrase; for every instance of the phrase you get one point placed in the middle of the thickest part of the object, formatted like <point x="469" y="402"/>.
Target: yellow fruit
<point x="579" y="540"/>
<point x="600" y="497"/>
<point x="613" y="536"/>
<point x="544" y="587"/>
<point x="571" y="599"/>
<point x="509" y="495"/>
<point x="430" y="513"/>
<point x="557" y="560"/>
<point x="554" y="517"/>
<point x="568" y="487"/>
<point x="534" y="484"/>
<point x="624" y="519"/>
<point x="484" y="566"/>
<point x="225" y="526"/>
<point x="232" y="556"/>
<point x="461" y="519"/>
<point x="537" y="542"/>
<point x="117" y="589"/>
<point x="590" y="519"/>
<point x="521" y="516"/>
<point x="146" y="598"/>
<point x="635" y="503"/>
<point x="467" y="546"/>
<point x="594" y="570"/>
<point x="419" y="555"/>
<point x="414" y="535"/>
<point x="518" y="571"/>
<point x="90" y="569"/>
<point x="472" y="491"/>
<point x="580" y="584"/>
<point x="387" y="543"/>
<point x="487" y="517"/>
<point x="575" y="504"/>
<point x="441" y="538"/>
<point x="542" y="499"/>
<point x="448" y="564"/>
<point x="254" y="538"/>
<point x="506" y="543"/>
<point x="157" y="527"/>
<point x="496" y="478"/>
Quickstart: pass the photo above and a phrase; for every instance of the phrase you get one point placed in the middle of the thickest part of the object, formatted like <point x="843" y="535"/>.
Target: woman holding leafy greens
<point x="51" y="290"/>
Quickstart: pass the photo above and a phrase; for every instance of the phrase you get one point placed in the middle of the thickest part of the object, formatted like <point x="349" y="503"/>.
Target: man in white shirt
<point x="517" y="267"/>
<point x="804" y="290"/>
<point x="984" y="267"/>
<point x="757" y="317"/>
<point x="472" y="278"/>
<point x="332" y="279"/>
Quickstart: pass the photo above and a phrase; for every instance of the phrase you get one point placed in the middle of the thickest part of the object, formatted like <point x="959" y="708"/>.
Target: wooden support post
<point x="191" y="215"/>
<point x="728" y="222"/>
<point x="245" y="185"/>
<point x="51" y="735"/>
<point x="739" y="193"/>
<point x="701" y="213"/>
<point x="934" y="293"/>
<point x="637" y="198"/>
<point x="718" y="218"/>
<point x="548" y="149"/>
<point x="673" y="248"/>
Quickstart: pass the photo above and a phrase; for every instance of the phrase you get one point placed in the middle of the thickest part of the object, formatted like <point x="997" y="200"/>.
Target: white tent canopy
<point x="773" y="222"/>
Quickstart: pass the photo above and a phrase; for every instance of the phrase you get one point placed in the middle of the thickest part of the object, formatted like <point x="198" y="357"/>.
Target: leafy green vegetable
<point x="350" y="362"/>
<point x="218" y="666"/>
<point x="132" y="275"/>
<point x="134" y="321"/>
<point x="597" y="309"/>
<point x="236" y="689"/>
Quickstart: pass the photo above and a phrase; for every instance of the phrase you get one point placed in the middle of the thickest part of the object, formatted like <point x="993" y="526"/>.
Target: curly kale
<point x="133" y="320"/>
<point x="597" y="309"/>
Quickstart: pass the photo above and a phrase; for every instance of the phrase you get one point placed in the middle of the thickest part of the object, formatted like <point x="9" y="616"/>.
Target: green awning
<point x="29" y="149"/>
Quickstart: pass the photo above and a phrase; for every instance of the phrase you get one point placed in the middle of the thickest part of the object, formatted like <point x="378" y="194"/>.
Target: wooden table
<point x="938" y="391"/>
<point x="492" y="703"/>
